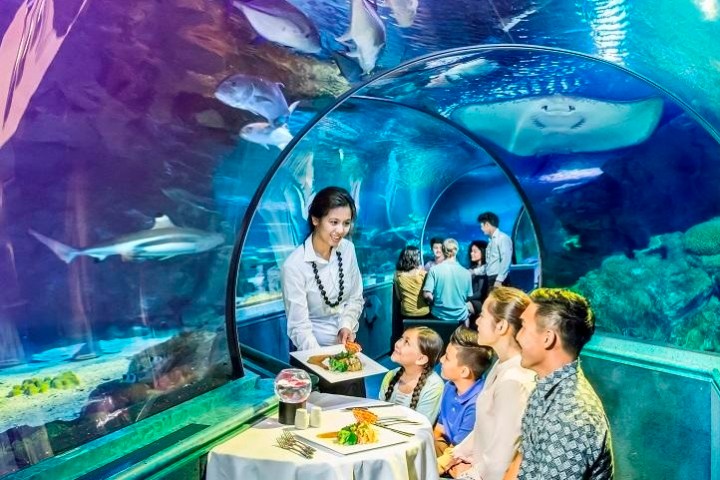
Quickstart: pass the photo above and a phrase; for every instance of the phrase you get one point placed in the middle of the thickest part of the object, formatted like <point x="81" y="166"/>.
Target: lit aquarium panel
<point x="143" y="142"/>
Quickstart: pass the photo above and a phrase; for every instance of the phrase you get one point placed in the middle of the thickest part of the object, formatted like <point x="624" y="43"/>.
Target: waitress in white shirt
<point x="321" y="283"/>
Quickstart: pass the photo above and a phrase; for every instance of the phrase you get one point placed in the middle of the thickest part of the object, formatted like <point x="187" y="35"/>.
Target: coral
<point x="654" y="296"/>
<point x="701" y="331"/>
<point x="35" y="385"/>
<point x="70" y="378"/>
<point x="704" y="238"/>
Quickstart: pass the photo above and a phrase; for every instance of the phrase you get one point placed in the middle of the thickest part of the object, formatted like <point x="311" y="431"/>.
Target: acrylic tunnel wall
<point x="583" y="160"/>
<point x="130" y="164"/>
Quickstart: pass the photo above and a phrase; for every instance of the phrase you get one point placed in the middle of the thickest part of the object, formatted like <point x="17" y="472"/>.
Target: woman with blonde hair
<point x="486" y="453"/>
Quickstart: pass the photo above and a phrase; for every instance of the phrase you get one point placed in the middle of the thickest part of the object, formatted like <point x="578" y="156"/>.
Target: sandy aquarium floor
<point x="37" y="410"/>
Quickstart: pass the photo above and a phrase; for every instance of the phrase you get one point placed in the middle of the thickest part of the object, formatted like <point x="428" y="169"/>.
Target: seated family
<point x="533" y="414"/>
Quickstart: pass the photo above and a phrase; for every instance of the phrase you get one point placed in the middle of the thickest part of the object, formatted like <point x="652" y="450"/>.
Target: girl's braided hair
<point x="430" y="344"/>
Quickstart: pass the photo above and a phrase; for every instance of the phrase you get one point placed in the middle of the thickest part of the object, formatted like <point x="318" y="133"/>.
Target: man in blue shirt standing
<point x="498" y="254"/>
<point x="447" y="287"/>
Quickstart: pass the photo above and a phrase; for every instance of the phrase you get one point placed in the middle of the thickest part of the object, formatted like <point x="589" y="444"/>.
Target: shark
<point x="163" y="241"/>
<point x="281" y="22"/>
<point x="366" y="35"/>
<point x="561" y="124"/>
<point x="466" y="70"/>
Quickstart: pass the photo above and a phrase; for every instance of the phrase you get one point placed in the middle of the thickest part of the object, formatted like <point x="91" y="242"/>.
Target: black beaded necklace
<point x="341" y="283"/>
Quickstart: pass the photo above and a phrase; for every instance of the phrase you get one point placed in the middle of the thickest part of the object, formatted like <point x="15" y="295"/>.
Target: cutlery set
<point x="288" y="441"/>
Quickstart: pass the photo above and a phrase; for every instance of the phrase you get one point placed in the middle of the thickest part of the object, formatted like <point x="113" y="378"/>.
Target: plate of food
<point x="337" y="363"/>
<point x="347" y="433"/>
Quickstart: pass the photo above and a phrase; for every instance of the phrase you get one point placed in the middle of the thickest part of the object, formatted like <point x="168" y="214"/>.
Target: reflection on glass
<point x="524" y="241"/>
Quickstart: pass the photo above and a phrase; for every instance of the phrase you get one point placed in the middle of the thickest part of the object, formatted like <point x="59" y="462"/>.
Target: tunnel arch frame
<point x="249" y="215"/>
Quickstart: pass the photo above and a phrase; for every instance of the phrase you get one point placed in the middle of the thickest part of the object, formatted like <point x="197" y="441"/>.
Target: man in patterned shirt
<point x="565" y="433"/>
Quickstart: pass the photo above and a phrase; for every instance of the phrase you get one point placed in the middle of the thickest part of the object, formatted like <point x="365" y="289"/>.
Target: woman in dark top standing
<point x="476" y="253"/>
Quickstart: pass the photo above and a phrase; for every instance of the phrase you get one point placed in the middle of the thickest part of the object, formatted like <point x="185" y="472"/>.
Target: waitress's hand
<point x="345" y="335"/>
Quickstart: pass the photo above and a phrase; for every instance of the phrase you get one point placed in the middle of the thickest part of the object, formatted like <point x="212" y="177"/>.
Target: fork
<point x="285" y="445"/>
<point x="291" y="439"/>
<point x="407" y="434"/>
<point x="384" y="422"/>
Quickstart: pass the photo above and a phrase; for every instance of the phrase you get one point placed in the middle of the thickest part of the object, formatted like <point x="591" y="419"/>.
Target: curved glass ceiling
<point x="593" y="153"/>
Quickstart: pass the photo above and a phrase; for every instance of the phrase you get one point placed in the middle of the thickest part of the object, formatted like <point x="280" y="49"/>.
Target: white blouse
<point x="492" y="444"/>
<point x="310" y="322"/>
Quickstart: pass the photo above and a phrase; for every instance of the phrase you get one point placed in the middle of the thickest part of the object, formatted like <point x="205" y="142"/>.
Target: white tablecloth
<point x="252" y="455"/>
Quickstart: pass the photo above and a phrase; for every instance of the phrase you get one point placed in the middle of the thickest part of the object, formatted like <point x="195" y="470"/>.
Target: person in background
<point x="409" y="279"/>
<point x="415" y="384"/>
<point x="486" y="453"/>
<point x="321" y="284"/>
<point x="448" y="286"/>
<point x="463" y="366"/>
<point x="499" y="250"/>
<point x="476" y="252"/>
<point x="565" y="432"/>
<point x="436" y="244"/>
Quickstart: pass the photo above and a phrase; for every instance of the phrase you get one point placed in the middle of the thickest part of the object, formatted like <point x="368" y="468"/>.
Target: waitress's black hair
<point x="327" y="199"/>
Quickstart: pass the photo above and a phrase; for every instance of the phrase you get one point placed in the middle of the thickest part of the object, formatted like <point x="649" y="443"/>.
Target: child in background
<point x="414" y="384"/>
<point x="463" y="365"/>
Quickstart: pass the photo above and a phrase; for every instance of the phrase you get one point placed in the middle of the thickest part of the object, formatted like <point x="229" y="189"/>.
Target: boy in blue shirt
<point x="463" y="365"/>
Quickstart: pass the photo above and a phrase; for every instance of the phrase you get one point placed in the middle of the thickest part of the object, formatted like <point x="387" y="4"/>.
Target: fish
<point x="468" y="69"/>
<point x="510" y="23"/>
<point x="256" y="95"/>
<point x="348" y="67"/>
<point x="281" y="22"/>
<point x="266" y="134"/>
<point x="566" y="175"/>
<point x="403" y="11"/>
<point x="561" y="124"/>
<point x="196" y="201"/>
<point x="366" y="35"/>
<point x="163" y="241"/>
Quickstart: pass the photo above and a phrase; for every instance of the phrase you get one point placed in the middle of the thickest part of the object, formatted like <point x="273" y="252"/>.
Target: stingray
<point x="561" y="124"/>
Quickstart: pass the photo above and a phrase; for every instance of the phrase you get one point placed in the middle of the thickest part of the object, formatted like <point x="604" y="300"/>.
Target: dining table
<point x="254" y="453"/>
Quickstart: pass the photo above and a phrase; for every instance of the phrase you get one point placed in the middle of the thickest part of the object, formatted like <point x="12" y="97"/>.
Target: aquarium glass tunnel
<point x="157" y="159"/>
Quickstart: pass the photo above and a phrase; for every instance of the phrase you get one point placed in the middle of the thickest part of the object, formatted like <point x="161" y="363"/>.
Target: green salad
<point x="357" y="433"/>
<point x="339" y="362"/>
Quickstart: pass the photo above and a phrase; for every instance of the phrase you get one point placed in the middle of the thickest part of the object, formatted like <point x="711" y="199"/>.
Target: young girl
<point x="415" y="384"/>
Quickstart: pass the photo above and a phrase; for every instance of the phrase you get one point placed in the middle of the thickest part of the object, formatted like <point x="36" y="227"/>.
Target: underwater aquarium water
<point x="140" y="140"/>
